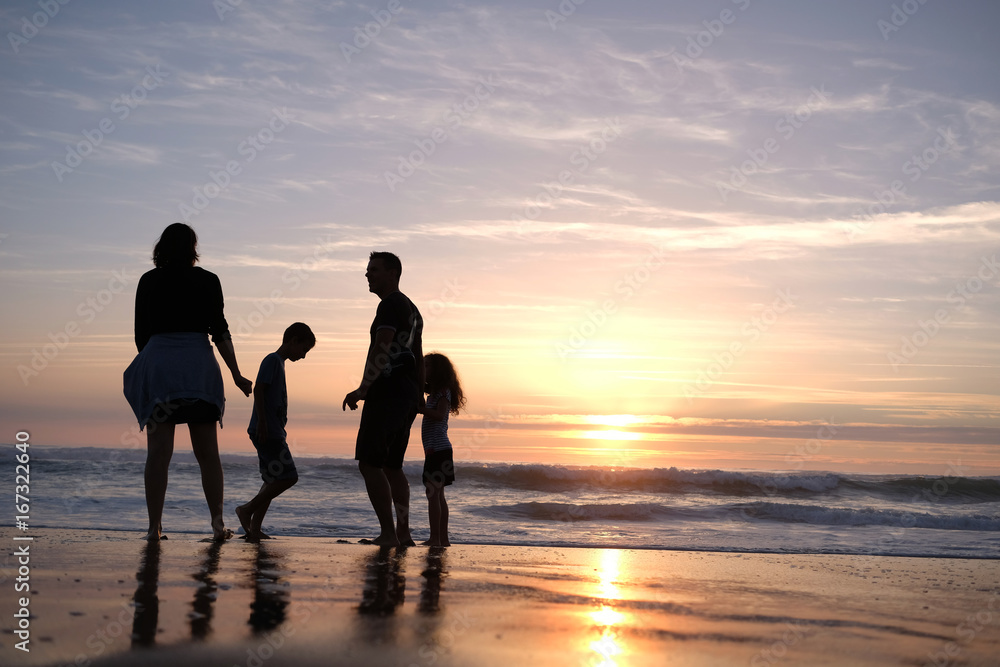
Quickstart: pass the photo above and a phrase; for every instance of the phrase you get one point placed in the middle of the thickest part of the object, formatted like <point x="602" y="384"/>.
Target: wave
<point x="741" y="512"/>
<point x="832" y="516"/>
<point x="800" y="485"/>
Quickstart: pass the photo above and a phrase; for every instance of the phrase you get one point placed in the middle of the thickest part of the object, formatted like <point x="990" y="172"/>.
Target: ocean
<point x="549" y="505"/>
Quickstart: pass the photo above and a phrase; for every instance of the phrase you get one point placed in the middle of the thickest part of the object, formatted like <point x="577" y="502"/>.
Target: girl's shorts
<point x="439" y="468"/>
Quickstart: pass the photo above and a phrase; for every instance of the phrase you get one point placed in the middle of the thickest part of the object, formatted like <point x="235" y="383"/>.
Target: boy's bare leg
<point x="159" y="450"/>
<point x="245" y="514"/>
<point x="380" y="495"/>
<point x="205" y="443"/>
<point x="400" y="488"/>
<point x="251" y="514"/>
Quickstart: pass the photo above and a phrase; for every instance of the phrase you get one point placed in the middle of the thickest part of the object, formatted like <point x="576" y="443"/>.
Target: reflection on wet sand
<point x="147" y="602"/>
<point x="384" y="583"/>
<point x="205" y="594"/>
<point x="434" y="573"/>
<point x="606" y="616"/>
<point x="270" y="592"/>
<point x="383" y="589"/>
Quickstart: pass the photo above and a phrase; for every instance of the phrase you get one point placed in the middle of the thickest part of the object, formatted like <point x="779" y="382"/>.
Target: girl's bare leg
<point x="205" y="443"/>
<point x="159" y="450"/>
<point x="434" y="514"/>
<point x="444" y="520"/>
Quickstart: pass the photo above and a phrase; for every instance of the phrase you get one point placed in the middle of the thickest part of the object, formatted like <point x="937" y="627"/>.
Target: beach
<point x="103" y="597"/>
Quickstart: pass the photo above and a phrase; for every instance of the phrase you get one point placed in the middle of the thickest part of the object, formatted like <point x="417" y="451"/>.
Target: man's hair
<point x="300" y="331"/>
<point x="177" y="246"/>
<point x="390" y="261"/>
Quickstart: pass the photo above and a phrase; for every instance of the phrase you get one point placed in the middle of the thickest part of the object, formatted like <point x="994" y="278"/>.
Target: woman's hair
<point x="441" y="375"/>
<point x="177" y="246"/>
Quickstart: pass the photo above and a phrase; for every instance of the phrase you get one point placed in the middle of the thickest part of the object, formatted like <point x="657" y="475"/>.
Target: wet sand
<point x="108" y="598"/>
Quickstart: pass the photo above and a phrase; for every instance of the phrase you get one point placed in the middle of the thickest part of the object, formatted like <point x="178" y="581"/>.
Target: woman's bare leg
<point x="159" y="450"/>
<point x="205" y="443"/>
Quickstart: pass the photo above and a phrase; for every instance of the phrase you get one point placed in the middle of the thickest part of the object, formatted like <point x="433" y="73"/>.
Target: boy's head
<point x="297" y="340"/>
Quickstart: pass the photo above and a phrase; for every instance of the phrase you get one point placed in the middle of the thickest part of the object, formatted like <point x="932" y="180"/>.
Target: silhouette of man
<point x="392" y="391"/>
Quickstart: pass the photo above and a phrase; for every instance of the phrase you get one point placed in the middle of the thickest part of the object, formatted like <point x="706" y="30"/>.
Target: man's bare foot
<point x="154" y="536"/>
<point x="431" y="543"/>
<point x="382" y="541"/>
<point x="404" y="538"/>
<point x="220" y="536"/>
<point x="261" y="535"/>
<point x="246" y="520"/>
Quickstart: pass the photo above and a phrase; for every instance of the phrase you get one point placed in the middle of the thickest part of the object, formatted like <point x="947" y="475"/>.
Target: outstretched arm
<point x="378" y="358"/>
<point x="229" y="356"/>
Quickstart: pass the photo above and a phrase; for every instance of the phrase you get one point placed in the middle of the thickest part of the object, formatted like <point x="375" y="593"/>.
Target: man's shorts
<point x="386" y="417"/>
<point x="275" y="459"/>
<point x="439" y="468"/>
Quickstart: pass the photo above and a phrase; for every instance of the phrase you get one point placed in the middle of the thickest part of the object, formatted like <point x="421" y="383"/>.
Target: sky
<point x="725" y="234"/>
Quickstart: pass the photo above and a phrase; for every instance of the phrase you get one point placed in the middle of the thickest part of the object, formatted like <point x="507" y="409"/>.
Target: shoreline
<point x="198" y="536"/>
<point x="97" y="597"/>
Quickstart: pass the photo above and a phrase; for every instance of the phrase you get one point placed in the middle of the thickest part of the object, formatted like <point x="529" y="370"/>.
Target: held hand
<point x="245" y="385"/>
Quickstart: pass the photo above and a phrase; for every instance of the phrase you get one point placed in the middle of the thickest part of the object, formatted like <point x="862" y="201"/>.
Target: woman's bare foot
<point x="382" y="541"/>
<point x="431" y="543"/>
<point x="154" y="536"/>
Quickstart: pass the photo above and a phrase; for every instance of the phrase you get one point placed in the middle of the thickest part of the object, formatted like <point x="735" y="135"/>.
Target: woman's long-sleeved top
<point x="181" y="299"/>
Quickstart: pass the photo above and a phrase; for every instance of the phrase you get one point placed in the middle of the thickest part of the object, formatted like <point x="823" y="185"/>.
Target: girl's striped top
<point x="434" y="432"/>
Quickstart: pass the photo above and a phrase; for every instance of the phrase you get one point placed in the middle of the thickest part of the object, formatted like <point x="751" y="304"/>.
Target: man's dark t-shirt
<point x="398" y="313"/>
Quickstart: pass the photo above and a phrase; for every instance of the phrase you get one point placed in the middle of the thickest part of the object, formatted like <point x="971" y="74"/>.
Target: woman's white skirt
<point x="173" y="367"/>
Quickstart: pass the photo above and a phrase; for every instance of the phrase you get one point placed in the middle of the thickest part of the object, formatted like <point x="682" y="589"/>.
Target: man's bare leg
<point x="159" y="450"/>
<point x="380" y="495"/>
<point x="400" y="488"/>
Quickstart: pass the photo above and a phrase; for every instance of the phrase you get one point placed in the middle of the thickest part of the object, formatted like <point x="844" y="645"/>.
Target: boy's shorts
<point x="275" y="459"/>
<point x="439" y="468"/>
<point x="386" y="417"/>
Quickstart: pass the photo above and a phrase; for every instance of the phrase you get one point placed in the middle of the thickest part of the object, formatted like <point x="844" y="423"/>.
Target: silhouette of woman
<point x="175" y="378"/>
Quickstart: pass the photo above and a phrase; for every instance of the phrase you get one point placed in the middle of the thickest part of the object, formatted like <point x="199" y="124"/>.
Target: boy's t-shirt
<point x="272" y="373"/>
